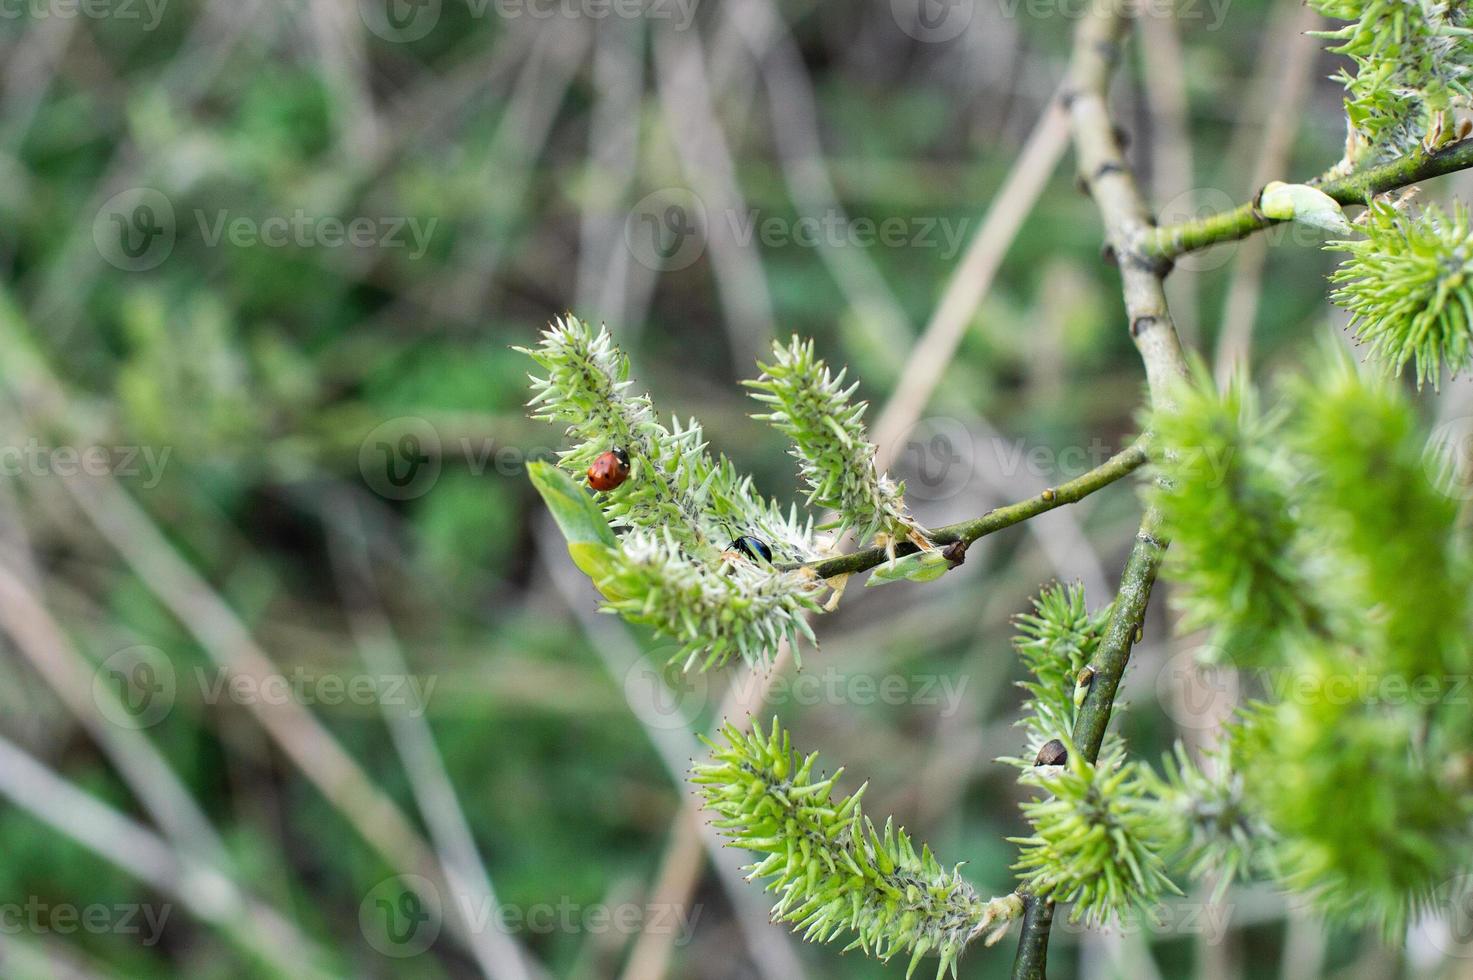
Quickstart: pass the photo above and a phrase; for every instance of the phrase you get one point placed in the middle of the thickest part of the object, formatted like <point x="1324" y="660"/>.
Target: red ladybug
<point x="610" y="470"/>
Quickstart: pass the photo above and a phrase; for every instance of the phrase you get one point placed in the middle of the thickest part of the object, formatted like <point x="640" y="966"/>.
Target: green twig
<point x="1121" y="464"/>
<point x="1031" y="963"/>
<point x="1244" y="220"/>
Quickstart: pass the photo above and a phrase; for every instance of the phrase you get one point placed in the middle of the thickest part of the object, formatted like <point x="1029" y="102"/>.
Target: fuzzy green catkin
<point x="675" y="485"/>
<point x="1227" y="511"/>
<point x="1413" y="63"/>
<point x="1408" y="286"/>
<point x="1220" y="833"/>
<point x="813" y="408"/>
<point x="715" y="612"/>
<point x="1055" y="641"/>
<point x="1385" y="531"/>
<point x="1362" y="823"/>
<point x="833" y="872"/>
<point x="1099" y="836"/>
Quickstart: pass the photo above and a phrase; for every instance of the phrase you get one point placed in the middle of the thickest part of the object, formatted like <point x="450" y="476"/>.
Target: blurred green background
<point x="300" y="679"/>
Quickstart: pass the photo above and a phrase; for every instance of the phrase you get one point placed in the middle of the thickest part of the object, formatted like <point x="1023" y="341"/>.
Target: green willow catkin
<point x="813" y="408"/>
<point x="833" y="871"/>
<point x="1408" y="286"/>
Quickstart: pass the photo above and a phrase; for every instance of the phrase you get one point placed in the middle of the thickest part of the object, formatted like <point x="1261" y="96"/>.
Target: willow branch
<point x="1244" y="220"/>
<point x="1032" y="960"/>
<point x="1121" y="464"/>
<point x="1123" y="209"/>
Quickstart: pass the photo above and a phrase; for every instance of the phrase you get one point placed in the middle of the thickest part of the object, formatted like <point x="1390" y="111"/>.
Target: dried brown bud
<point x="956" y="552"/>
<point x="1053" y="753"/>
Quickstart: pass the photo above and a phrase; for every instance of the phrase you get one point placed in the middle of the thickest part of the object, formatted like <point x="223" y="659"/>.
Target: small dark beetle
<point x="753" y="547"/>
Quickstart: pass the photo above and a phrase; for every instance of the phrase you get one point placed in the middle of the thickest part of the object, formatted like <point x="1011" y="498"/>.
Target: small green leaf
<point x="1304" y="204"/>
<point x="576" y="513"/>
<point x="923" y="566"/>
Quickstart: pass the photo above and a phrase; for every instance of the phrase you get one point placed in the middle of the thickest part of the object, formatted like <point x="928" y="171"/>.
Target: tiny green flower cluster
<point x="1226" y="509"/>
<point x="743" y="609"/>
<point x="1055" y="642"/>
<point x="834" y="872"/>
<point x="1221" y="834"/>
<point x="1408" y="286"/>
<point x="1105" y="834"/>
<point x="675" y="485"/>
<point x="677" y="509"/>
<point x="1099" y="831"/>
<point x="1393" y="560"/>
<point x="811" y="406"/>
<point x="1363" y="822"/>
<point x="1349" y="777"/>
<point x="1413" y="63"/>
<point x="1099" y="835"/>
